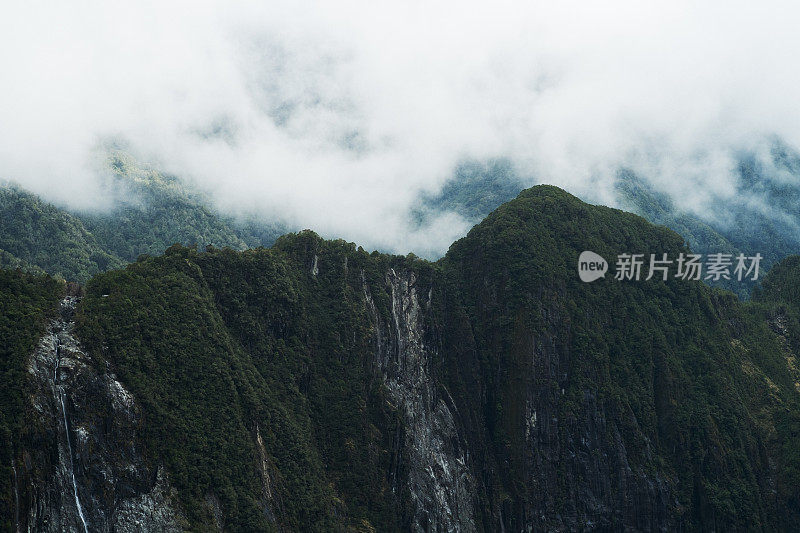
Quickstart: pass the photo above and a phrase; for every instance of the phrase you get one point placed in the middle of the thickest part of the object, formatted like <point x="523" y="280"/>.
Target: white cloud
<point x="335" y="115"/>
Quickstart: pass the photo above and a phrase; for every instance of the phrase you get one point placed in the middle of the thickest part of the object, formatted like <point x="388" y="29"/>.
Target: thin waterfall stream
<point x="16" y="497"/>
<point x="68" y="438"/>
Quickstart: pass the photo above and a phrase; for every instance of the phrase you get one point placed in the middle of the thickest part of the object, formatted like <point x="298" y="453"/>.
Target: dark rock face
<point x="576" y="471"/>
<point x="434" y="460"/>
<point x="585" y="459"/>
<point x="571" y="474"/>
<point x="85" y="469"/>
<point x="518" y="401"/>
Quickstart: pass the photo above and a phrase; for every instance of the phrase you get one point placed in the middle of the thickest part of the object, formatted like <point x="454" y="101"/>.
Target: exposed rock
<point x="215" y="509"/>
<point x="577" y="471"/>
<point x="151" y="511"/>
<point x="273" y="507"/>
<point x="84" y="464"/>
<point x="571" y="473"/>
<point x="434" y="463"/>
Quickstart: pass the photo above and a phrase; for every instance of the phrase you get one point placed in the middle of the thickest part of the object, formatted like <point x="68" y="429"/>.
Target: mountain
<point x="762" y="218"/>
<point x="26" y="304"/>
<point x="315" y="386"/>
<point x="475" y="190"/>
<point x="34" y="234"/>
<point x="150" y="211"/>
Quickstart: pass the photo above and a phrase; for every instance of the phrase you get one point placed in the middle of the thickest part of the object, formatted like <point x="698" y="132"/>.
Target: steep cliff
<point x="82" y="464"/>
<point x="436" y="477"/>
<point x="315" y="386"/>
<point x="27" y="303"/>
<point x="617" y="405"/>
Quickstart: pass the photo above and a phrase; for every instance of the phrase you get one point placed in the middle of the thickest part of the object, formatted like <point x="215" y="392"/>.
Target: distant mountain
<point x="314" y="386"/>
<point x="475" y="190"/>
<point x="151" y="212"/>
<point x="765" y="217"/>
<point x="35" y="234"/>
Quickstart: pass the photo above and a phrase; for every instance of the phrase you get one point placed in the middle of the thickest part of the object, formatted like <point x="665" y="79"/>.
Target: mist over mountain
<point x="315" y="386"/>
<point x="148" y="211"/>
<point x="311" y="266"/>
<point x="340" y="117"/>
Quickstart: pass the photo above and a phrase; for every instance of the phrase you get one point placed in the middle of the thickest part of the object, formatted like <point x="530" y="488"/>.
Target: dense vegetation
<point x="35" y="233"/>
<point x="553" y="378"/>
<point x="698" y="383"/>
<point x="150" y="211"/>
<point x="26" y="301"/>
<point x="221" y="345"/>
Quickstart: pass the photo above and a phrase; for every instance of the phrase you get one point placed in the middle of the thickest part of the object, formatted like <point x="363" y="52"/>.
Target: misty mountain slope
<point x="763" y="217"/>
<point x="637" y="196"/>
<point x="475" y="190"/>
<point x="150" y="212"/>
<point x="153" y="211"/>
<point x="767" y="213"/>
<point x="41" y="235"/>
<point x="315" y="386"/>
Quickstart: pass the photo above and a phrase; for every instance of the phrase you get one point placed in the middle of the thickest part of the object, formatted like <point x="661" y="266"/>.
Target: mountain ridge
<point x="490" y="389"/>
<point x="151" y="210"/>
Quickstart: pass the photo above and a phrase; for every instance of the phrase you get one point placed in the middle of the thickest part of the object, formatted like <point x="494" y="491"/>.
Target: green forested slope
<point x="692" y="386"/>
<point x="699" y="385"/>
<point x="219" y="344"/>
<point x="38" y="234"/>
<point x="611" y="404"/>
<point x="26" y="302"/>
<point x="150" y="212"/>
<point x="153" y="211"/>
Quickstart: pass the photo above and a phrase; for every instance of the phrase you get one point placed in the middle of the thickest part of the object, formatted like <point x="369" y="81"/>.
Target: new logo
<point x="591" y="266"/>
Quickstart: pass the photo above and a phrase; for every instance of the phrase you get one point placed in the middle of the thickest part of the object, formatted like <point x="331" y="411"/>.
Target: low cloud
<point x="338" y="116"/>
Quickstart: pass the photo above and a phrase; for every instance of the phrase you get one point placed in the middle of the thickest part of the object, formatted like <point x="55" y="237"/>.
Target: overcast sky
<point x="337" y="115"/>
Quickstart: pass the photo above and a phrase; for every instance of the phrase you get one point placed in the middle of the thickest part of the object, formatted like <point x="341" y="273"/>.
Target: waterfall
<point x="16" y="497"/>
<point x="66" y="432"/>
<point x="72" y="466"/>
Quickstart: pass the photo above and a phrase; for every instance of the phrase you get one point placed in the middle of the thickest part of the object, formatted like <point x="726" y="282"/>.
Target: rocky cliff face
<point x="434" y="462"/>
<point x="314" y="386"/>
<point x="571" y="472"/>
<point x="81" y="467"/>
<point x="578" y="471"/>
